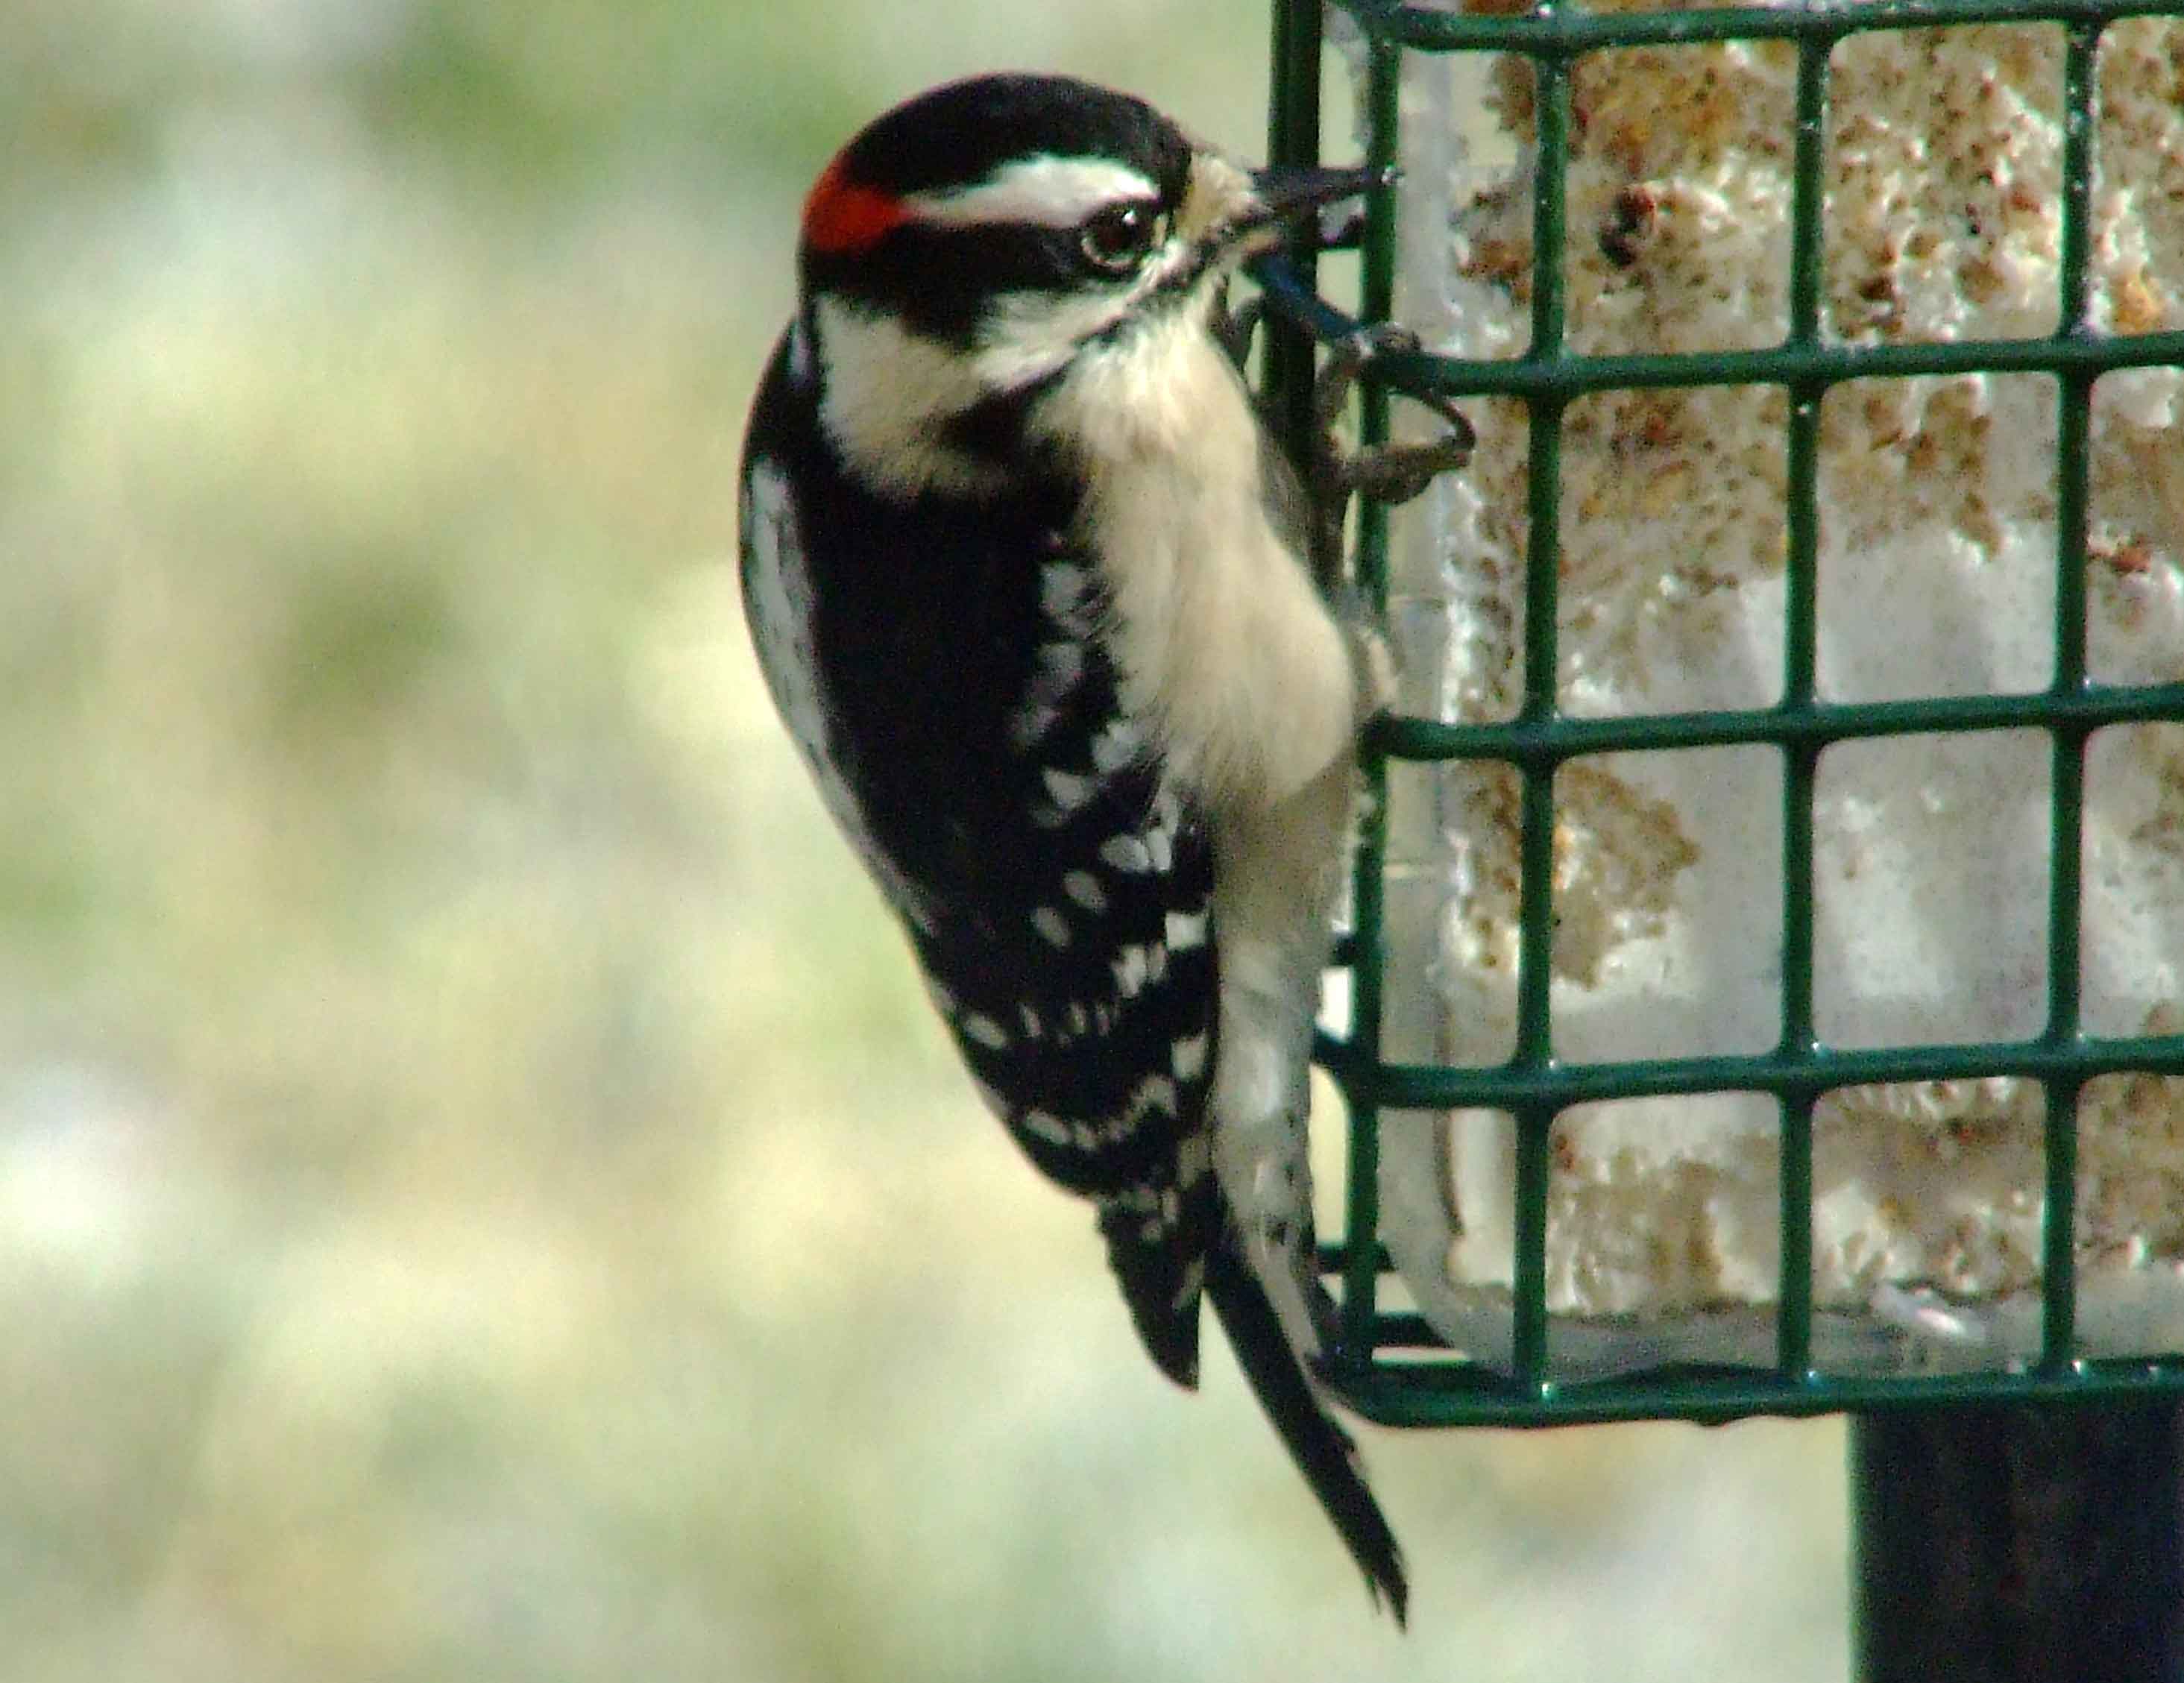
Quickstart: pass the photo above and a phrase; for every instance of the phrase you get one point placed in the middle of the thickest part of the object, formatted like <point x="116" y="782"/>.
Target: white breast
<point x="1221" y="639"/>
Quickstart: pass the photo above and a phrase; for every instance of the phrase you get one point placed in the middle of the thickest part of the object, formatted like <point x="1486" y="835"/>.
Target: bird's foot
<point x="1389" y="472"/>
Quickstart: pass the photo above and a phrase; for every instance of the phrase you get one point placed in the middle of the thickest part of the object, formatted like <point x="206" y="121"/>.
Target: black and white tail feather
<point x="1031" y="589"/>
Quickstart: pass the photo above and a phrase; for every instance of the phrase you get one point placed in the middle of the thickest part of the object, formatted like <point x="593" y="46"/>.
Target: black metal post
<point x="2010" y="1543"/>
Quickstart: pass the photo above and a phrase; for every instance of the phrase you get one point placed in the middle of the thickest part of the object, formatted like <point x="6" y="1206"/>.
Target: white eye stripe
<point x="1053" y="193"/>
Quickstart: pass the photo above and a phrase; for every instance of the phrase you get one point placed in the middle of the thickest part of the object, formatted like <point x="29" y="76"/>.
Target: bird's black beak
<point x="1285" y="194"/>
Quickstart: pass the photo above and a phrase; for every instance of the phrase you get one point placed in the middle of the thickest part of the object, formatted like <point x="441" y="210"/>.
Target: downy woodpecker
<point x="1029" y="584"/>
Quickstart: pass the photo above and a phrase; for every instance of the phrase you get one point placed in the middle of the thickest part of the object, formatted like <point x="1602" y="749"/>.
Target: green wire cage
<point x="1391" y="1368"/>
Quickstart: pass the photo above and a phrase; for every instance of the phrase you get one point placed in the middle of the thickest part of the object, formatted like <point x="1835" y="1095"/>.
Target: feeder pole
<point x="2007" y="1543"/>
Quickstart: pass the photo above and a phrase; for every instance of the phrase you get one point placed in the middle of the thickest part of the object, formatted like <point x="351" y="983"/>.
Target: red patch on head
<point x="843" y="215"/>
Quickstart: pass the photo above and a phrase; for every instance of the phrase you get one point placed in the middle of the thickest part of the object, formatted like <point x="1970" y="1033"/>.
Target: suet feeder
<point x="1764" y="990"/>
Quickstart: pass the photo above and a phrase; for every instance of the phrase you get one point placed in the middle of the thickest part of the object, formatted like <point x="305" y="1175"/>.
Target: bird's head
<point x="975" y="245"/>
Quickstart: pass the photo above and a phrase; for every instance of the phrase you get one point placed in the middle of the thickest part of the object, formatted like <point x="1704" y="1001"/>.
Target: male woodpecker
<point x="1029" y="584"/>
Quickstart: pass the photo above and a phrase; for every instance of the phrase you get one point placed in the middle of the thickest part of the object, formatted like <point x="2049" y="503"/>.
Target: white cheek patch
<point x="889" y="392"/>
<point x="1049" y="190"/>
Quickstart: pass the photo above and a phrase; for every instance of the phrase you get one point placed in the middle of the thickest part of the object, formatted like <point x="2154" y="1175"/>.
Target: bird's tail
<point x="1323" y="1451"/>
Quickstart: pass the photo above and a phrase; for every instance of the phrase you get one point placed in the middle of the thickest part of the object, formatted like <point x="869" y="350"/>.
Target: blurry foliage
<point x="480" y="1195"/>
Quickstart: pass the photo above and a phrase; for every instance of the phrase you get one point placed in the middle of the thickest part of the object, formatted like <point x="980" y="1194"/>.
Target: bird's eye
<point x="1117" y="239"/>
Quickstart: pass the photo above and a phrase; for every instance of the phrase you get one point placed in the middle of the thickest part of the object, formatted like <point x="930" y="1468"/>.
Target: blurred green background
<point x="481" y="1196"/>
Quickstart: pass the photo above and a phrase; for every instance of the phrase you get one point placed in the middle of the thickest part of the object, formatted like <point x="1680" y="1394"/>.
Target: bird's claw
<point x="1234" y="328"/>
<point x="1387" y="473"/>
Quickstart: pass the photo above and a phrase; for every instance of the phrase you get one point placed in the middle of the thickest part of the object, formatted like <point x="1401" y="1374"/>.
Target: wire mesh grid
<point x="1389" y="1367"/>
